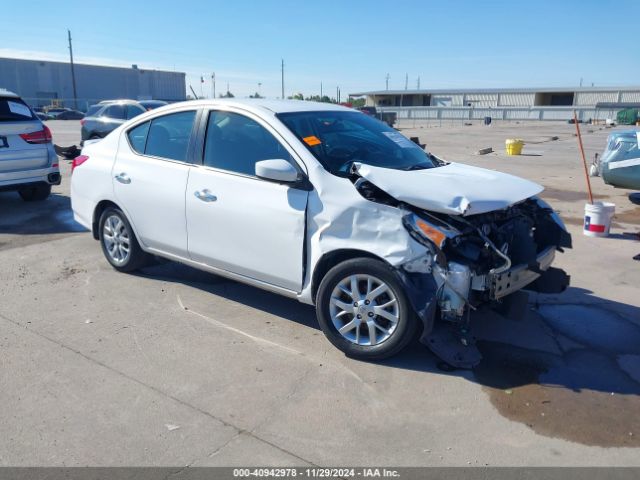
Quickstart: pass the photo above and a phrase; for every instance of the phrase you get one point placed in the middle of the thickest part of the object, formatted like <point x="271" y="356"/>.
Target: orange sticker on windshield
<point x="312" y="141"/>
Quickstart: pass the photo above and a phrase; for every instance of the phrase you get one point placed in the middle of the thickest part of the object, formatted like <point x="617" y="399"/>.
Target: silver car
<point x="28" y="162"/>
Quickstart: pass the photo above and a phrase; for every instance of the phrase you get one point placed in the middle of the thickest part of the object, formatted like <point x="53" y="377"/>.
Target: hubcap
<point x="115" y="236"/>
<point x="364" y="309"/>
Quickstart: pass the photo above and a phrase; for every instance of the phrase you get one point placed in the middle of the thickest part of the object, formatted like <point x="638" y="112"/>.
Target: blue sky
<point x="350" y="43"/>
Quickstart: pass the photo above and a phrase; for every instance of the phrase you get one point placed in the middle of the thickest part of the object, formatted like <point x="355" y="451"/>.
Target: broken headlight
<point x="430" y="231"/>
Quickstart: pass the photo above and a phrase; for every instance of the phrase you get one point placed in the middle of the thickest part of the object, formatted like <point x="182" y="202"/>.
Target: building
<point x="44" y="82"/>
<point x="504" y="103"/>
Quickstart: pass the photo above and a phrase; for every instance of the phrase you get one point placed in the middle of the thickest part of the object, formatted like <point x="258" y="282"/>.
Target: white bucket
<point x="597" y="218"/>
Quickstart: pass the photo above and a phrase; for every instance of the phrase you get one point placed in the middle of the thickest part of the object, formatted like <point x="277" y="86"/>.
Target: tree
<point x="297" y="96"/>
<point x="256" y="95"/>
<point x="227" y="95"/>
<point x="357" y="102"/>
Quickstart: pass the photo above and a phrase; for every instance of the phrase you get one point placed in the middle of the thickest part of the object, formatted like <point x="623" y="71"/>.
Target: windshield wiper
<point x="416" y="167"/>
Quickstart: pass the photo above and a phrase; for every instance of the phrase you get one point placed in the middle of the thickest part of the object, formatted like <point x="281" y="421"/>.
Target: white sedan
<point x="327" y="205"/>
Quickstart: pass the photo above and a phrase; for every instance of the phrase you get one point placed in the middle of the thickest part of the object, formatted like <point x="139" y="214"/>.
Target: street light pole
<point x="73" y="72"/>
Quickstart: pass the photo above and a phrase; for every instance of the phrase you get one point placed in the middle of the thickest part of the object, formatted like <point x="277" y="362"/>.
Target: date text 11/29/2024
<point x="316" y="472"/>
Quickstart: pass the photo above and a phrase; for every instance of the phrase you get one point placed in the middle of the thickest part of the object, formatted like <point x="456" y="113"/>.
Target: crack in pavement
<point x="177" y="400"/>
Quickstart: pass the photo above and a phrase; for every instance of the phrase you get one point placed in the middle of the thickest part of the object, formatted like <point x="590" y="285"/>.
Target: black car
<point x="99" y="122"/>
<point x="151" y="104"/>
<point x="70" y="115"/>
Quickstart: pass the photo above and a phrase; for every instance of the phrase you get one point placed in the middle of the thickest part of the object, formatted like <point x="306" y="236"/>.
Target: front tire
<point x="363" y="310"/>
<point x="119" y="243"/>
<point x="35" y="194"/>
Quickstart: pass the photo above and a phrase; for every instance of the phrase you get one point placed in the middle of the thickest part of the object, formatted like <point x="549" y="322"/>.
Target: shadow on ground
<point x="568" y="370"/>
<point x="52" y="215"/>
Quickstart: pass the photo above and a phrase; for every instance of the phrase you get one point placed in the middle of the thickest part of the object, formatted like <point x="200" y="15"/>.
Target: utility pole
<point x="260" y="89"/>
<point x="387" y="81"/>
<point x="320" y="91"/>
<point x="337" y="94"/>
<point x="282" y="76"/>
<point x="73" y="73"/>
<point x="418" y="84"/>
<point x="406" y="81"/>
<point x="213" y="84"/>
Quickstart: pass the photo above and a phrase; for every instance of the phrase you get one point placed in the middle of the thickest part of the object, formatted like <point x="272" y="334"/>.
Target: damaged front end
<point x="474" y="261"/>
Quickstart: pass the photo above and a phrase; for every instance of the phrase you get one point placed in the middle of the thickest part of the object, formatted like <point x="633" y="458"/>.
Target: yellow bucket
<point x="513" y="146"/>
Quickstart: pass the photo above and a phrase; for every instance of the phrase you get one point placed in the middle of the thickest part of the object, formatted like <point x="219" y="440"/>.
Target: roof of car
<point x="275" y="106"/>
<point x="7" y="93"/>
<point x="122" y="101"/>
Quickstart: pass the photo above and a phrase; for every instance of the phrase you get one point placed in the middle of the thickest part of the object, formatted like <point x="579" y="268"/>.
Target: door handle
<point x="123" y="178"/>
<point x="205" y="195"/>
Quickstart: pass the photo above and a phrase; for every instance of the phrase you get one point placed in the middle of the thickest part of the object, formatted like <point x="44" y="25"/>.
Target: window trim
<point x="195" y="128"/>
<point x="298" y="164"/>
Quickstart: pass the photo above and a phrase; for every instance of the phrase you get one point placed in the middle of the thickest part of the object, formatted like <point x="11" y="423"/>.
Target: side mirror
<point x="277" y="171"/>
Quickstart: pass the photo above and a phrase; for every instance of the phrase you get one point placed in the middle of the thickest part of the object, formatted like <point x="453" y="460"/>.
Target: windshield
<point x="338" y="139"/>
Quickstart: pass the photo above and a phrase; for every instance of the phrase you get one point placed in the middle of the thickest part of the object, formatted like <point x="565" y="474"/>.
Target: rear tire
<point x="119" y="243"/>
<point x="363" y="310"/>
<point x="35" y="194"/>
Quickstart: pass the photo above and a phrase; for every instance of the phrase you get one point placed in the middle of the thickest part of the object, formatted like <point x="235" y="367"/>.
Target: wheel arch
<point x="333" y="258"/>
<point x="97" y="212"/>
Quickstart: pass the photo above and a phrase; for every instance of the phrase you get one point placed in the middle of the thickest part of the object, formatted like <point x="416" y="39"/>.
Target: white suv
<point x="327" y="205"/>
<point x="28" y="162"/>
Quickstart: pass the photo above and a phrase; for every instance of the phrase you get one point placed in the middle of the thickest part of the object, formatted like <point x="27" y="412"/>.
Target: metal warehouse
<point x="507" y="103"/>
<point x="44" y="82"/>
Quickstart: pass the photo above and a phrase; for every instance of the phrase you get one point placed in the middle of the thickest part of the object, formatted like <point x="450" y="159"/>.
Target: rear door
<point x="150" y="176"/>
<point x="111" y="118"/>
<point x="15" y="152"/>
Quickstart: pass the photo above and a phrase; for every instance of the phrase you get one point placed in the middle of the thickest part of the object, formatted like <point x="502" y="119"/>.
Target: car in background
<point x="28" y="162"/>
<point x="109" y="116"/>
<point x="70" y="115"/>
<point x="327" y="205"/>
<point x="54" y="112"/>
<point x="43" y="116"/>
<point x="152" y="104"/>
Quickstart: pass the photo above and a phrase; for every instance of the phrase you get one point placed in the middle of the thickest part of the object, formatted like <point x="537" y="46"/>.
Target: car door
<point x="236" y="221"/>
<point x="150" y="176"/>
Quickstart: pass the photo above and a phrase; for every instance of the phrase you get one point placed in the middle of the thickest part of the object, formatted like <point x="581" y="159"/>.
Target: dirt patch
<point x="586" y="400"/>
<point x="629" y="216"/>
<point x="568" y="195"/>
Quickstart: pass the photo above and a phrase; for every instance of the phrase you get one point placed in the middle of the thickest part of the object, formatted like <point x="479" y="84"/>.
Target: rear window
<point x="93" y="109"/>
<point x="14" y="110"/>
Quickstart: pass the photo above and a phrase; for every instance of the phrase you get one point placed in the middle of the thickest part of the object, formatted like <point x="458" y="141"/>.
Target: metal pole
<point x="213" y="84"/>
<point x="73" y="73"/>
<point x="320" y="91"/>
<point x="584" y="158"/>
<point x="387" y="81"/>
<point x="282" y="74"/>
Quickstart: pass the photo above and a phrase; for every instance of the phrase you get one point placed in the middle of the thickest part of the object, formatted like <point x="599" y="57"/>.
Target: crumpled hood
<point x="455" y="189"/>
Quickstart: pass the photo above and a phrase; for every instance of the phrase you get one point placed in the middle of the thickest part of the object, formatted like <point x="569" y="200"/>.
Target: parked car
<point x="324" y="204"/>
<point x="108" y="117"/>
<point x="151" y="104"/>
<point x="619" y="164"/>
<point x="44" y="116"/>
<point x="28" y="162"/>
<point x="70" y="115"/>
<point x="54" y="112"/>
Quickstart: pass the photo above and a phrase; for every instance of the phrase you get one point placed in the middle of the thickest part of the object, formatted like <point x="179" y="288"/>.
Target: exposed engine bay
<point x="476" y="261"/>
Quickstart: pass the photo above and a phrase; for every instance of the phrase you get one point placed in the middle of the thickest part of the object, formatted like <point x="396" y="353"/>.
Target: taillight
<point x="41" y="136"/>
<point x="79" y="160"/>
<point x="82" y="122"/>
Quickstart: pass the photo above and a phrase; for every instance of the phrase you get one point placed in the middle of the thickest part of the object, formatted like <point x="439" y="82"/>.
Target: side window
<point x="133" y="111"/>
<point x="114" y="111"/>
<point x="235" y="143"/>
<point x="169" y="136"/>
<point x="138" y="137"/>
